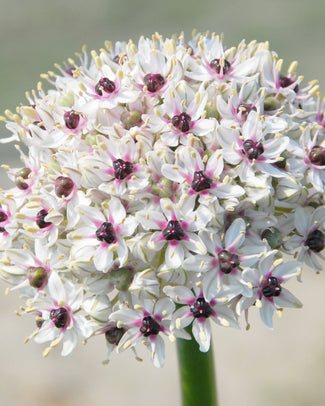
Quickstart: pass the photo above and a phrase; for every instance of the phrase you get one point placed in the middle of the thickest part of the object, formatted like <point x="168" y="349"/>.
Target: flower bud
<point x="131" y="119"/>
<point x="163" y="188"/>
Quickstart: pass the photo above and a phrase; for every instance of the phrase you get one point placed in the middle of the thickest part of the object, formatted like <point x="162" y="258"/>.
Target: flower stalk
<point x="197" y="374"/>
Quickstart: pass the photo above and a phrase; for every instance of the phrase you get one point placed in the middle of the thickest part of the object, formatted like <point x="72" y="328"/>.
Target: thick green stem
<point x="197" y="374"/>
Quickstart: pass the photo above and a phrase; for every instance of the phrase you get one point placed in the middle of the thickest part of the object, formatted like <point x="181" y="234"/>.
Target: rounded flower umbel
<point x="167" y="171"/>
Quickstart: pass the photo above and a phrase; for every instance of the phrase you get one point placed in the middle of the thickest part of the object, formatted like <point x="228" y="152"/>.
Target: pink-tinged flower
<point x="41" y="218"/>
<point x="30" y="269"/>
<point x="179" y="117"/>
<point x="310" y="239"/>
<point x="102" y="235"/>
<point x="146" y="322"/>
<point x="252" y="151"/>
<point x="227" y="258"/>
<point x="60" y="321"/>
<point x="9" y="227"/>
<point x="178" y="229"/>
<point x="268" y="293"/>
<point x="199" y="307"/>
<point x="116" y="167"/>
<point x="200" y="176"/>
<point x="313" y="153"/>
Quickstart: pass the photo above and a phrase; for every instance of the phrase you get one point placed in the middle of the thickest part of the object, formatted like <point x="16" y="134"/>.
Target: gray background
<point x="259" y="367"/>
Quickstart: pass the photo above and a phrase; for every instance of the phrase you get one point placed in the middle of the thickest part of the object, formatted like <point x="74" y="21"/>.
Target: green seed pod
<point x="21" y="175"/>
<point x="270" y="104"/>
<point x="37" y="276"/>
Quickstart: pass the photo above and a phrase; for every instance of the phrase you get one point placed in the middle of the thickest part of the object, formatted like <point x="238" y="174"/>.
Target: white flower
<point x="269" y="294"/>
<point x="59" y="319"/>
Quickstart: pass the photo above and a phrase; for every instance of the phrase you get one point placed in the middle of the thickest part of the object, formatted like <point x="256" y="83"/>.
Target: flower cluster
<point x="165" y="185"/>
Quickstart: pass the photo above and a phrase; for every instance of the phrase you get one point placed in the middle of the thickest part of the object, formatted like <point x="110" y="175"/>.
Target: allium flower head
<point x="161" y="173"/>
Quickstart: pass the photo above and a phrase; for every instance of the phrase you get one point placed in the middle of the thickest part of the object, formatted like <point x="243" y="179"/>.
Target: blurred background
<point x="259" y="367"/>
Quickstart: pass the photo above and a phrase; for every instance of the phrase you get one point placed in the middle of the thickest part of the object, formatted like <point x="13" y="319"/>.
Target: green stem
<point x="197" y="374"/>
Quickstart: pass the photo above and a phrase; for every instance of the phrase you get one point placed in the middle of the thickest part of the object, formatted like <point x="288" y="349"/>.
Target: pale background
<point x="260" y="367"/>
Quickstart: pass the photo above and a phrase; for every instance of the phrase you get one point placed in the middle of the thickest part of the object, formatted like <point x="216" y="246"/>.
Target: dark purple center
<point x="284" y="81"/>
<point x="252" y="149"/>
<point x="149" y="326"/>
<point x="315" y="241"/>
<point x="40" y="216"/>
<point x="114" y="335"/>
<point x="271" y="287"/>
<point x="173" y="231"/>
<point x="3" y="216"/>
<point x="182" y="122"/>
<point x="227" y="261"/>
<point x="201" y="181"/>
<point x="60" y="317"/>
<point x="201" y="308"/>
<point x="154" y="82"/>
<point x="63" y="186"/>
<point x="71" y="119"/>
<point x="317" y="155"/>
<point x="106" y="85"/>
<point x="122" y="168"/>
<point x="106" y="233"/>
<point x="216" y="65"/>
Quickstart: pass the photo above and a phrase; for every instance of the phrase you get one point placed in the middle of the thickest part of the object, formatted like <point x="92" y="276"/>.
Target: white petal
<point x="70" y="340"/>
<point x="202" y="333"/>
<point x="56" y="288"/>
<point x="266" y="313"/>
<point x="235" y="234"/>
